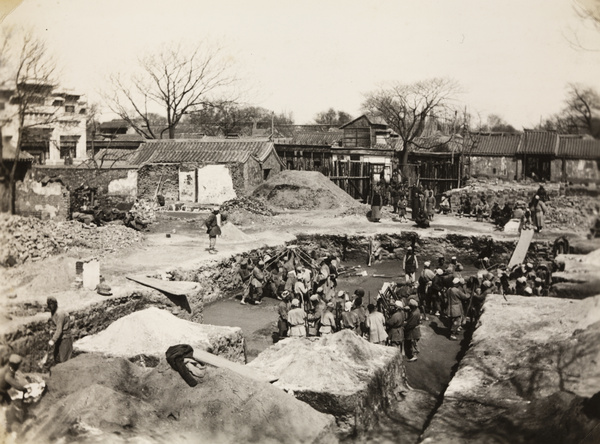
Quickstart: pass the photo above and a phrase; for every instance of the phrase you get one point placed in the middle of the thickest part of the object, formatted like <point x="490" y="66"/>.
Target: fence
<point x="354" y="177"/>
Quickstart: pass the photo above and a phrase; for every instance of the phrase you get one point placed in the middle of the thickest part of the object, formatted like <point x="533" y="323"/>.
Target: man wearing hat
<point x="350" y="318"/>
<point x="297" y="320"/>
<point x="412" y="330"/>
<point x="315" y="312"/>
<point x="538" y="210"/>
<point x="357" y="307"/>
<point x="410" y="265"/>
<point x="257" y="282"/>
<point x="213" y="229"/>
<point x="282" y="309"/>
<point x="328" y="323"/>
<point x="455" y="297"/>
<point x="395" y="325"/>
<point x="538" y="287"/>
<point x="8" y="380"/>
<point x="520" y="286"/>
<point x="62" y="340"/>
<point x="479" y="296"/>
<point x="427" y="276"/>
<point x="375" y="324"/>
<point x="436" y="292"/>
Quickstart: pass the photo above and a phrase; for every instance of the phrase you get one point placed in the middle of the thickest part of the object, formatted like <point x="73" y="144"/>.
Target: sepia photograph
<point x="319" y="222"/>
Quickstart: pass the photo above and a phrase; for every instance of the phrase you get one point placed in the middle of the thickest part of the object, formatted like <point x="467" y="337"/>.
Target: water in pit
<point x="430" y="373"/>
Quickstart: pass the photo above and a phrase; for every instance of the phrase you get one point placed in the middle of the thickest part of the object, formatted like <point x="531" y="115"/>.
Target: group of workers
<point x="61" y="344"/>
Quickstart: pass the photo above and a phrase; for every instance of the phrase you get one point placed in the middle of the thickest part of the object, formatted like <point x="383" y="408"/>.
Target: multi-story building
<point x="54" y="127"/>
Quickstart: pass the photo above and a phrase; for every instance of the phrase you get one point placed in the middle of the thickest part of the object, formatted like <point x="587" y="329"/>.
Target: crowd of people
<point x="311" y="304"/>
<point x="424" y="206"/>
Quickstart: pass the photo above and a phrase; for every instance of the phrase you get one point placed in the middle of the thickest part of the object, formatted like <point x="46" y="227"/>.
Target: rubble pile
<point x="24" y="239"/>
<point x="574" y="212"/>
<point x="144" y="210"/>
<point x="248" y="203"/>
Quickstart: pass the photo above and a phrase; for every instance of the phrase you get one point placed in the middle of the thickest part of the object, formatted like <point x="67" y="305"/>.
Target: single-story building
<point x="493" y="155"/>
<point x="207" y="171"/>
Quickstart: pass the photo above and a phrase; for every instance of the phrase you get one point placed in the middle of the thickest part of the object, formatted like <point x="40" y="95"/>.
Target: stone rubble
<point x="25" y="239"/>
<point x="247" y="203"/>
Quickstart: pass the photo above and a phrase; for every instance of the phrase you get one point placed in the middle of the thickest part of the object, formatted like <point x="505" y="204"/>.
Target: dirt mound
<point x="303" y="190"/>
<point x="232" y="233"/>
<point x="151" y="331"/>
<point x="95" y="399"/>
<point x="529" y="375"/>
<point x="247" y="203"/>
<point x="340" y="374"/>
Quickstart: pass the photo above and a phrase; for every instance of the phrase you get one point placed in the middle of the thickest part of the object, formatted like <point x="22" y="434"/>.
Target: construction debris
<point x="25" y="239"/>
<point x="248" y="203"/>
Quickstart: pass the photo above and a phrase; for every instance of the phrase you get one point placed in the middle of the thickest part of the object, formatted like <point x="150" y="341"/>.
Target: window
<point x="354" y="156"/>
<point x="69" y="108"/>
<point x="377" y="168"/>
<point x="68" y="146"/>
<point x="266" y="173"/>
<point x="82" y="111"/>
<point x="57" y="103"/>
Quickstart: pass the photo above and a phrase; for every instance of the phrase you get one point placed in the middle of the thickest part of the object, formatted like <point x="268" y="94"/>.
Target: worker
<point x="357" y="307"/>
<point x="538" y="210"/>
<point x="257" y="283"/>
<point x="15" y="411"/>
<point x="282" y="309"/>
<point x="61" y="340"/>
<point x="297" y="320"/>
<point x="445" y="204"/>
<point x="395" y="325"/>
<point x="430" y="204"/>
<point x="328" y="322"/>
<point x="479" y="296"/>
<point x="436" y="288"/>
<point x="213" y="229"/>
<point x="314" y="314"/>
<point x="350" y="318"/>
<point x="412" y="331"/>
<point x="425" y="280"/>
<point x="375" y="324"/>
<point x="538" y="289"/>
<point x="410" y="265"/>
<point x="520" y="286"/>
<point x="455" y="297"/>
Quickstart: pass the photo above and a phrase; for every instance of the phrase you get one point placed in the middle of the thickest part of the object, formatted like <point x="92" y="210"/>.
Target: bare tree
<point x="29" y="73"/>
<point x="582" y="110"/>
<point x="172" y="82"/>
<point x="406" y="107"/>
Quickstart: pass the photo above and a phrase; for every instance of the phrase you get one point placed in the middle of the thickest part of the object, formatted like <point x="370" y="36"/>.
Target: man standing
<point x="455" y="297"/>
<point x="314" y="315"/>
<point x="350" y="318"/>
<point x="375" y="324"/>
<point x="412" y="330"/>
<point x="62" y="341"/>
<point x="410" y="265"/>
<point x="360" y="312"/>
<point x="395" y="325"/>
<point x="283" y="308"/>
<point x="328" y="324"/>
<point x="213" y="229"/>
<point x="297" y="320"/>
<point x="538" y="210"/>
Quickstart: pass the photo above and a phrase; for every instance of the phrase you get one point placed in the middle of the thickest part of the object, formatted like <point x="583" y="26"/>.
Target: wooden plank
<point x="520" y="252"/>
<point x="177" y="288"/>
<point x="243" y="370"/>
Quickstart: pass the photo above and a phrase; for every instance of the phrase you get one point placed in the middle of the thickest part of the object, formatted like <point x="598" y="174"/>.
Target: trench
<point x="439" y="357"/>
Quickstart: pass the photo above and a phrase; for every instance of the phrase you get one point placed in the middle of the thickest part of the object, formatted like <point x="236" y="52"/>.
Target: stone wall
<point x="575" y="170"/>
<point x="163" y="177"/>
<point x="31" y="339"/>
<point x="44" y="201"/>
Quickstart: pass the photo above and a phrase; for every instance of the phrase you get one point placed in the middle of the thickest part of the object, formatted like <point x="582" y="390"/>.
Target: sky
<point x="513" y="58"/>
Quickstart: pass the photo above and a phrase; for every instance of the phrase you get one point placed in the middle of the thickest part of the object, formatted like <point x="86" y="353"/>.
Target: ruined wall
<point x="501" y="167"/>
<point x="112" y="185"/>
<point x="575" y="169"/>
<point x="187" y="184"/>
<point x="162" y="177"/>
<point x="49" y="201"/>
<point x="272" y="164"/>
<point x="215" y="185"/>
<point x="253" y="175"/>
<point x="237" y="171"/>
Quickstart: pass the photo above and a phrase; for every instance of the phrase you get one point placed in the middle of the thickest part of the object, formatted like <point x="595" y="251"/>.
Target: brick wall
<point x="50" y="201"/>
<point x="150" y="176"/>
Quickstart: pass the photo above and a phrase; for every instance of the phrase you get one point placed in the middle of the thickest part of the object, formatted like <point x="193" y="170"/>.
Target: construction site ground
<point x="178" y="240"/>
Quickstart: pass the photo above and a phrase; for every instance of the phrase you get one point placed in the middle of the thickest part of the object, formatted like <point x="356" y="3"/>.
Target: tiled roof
<point x="324" y="138"/>
<point x="495" y="144"/>
<point x="437" y="144"/>
<point x="576" y="147"/>
<point x="114" y="155"/>
<point x="206" y="151"/>
<point x="539" y="142"/>
<point x="9" y="152"/>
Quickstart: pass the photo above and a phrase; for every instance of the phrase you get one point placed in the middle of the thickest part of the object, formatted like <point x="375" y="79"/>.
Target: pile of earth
<point x="304" y="190"/>
<point x="25" y="239"/>
<point x="341" y="374"/>
<point x="531" y="375"/>
<point x="247" y="203"/>
<point x="152" y="331"/>
<point x="96" y="399"/>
